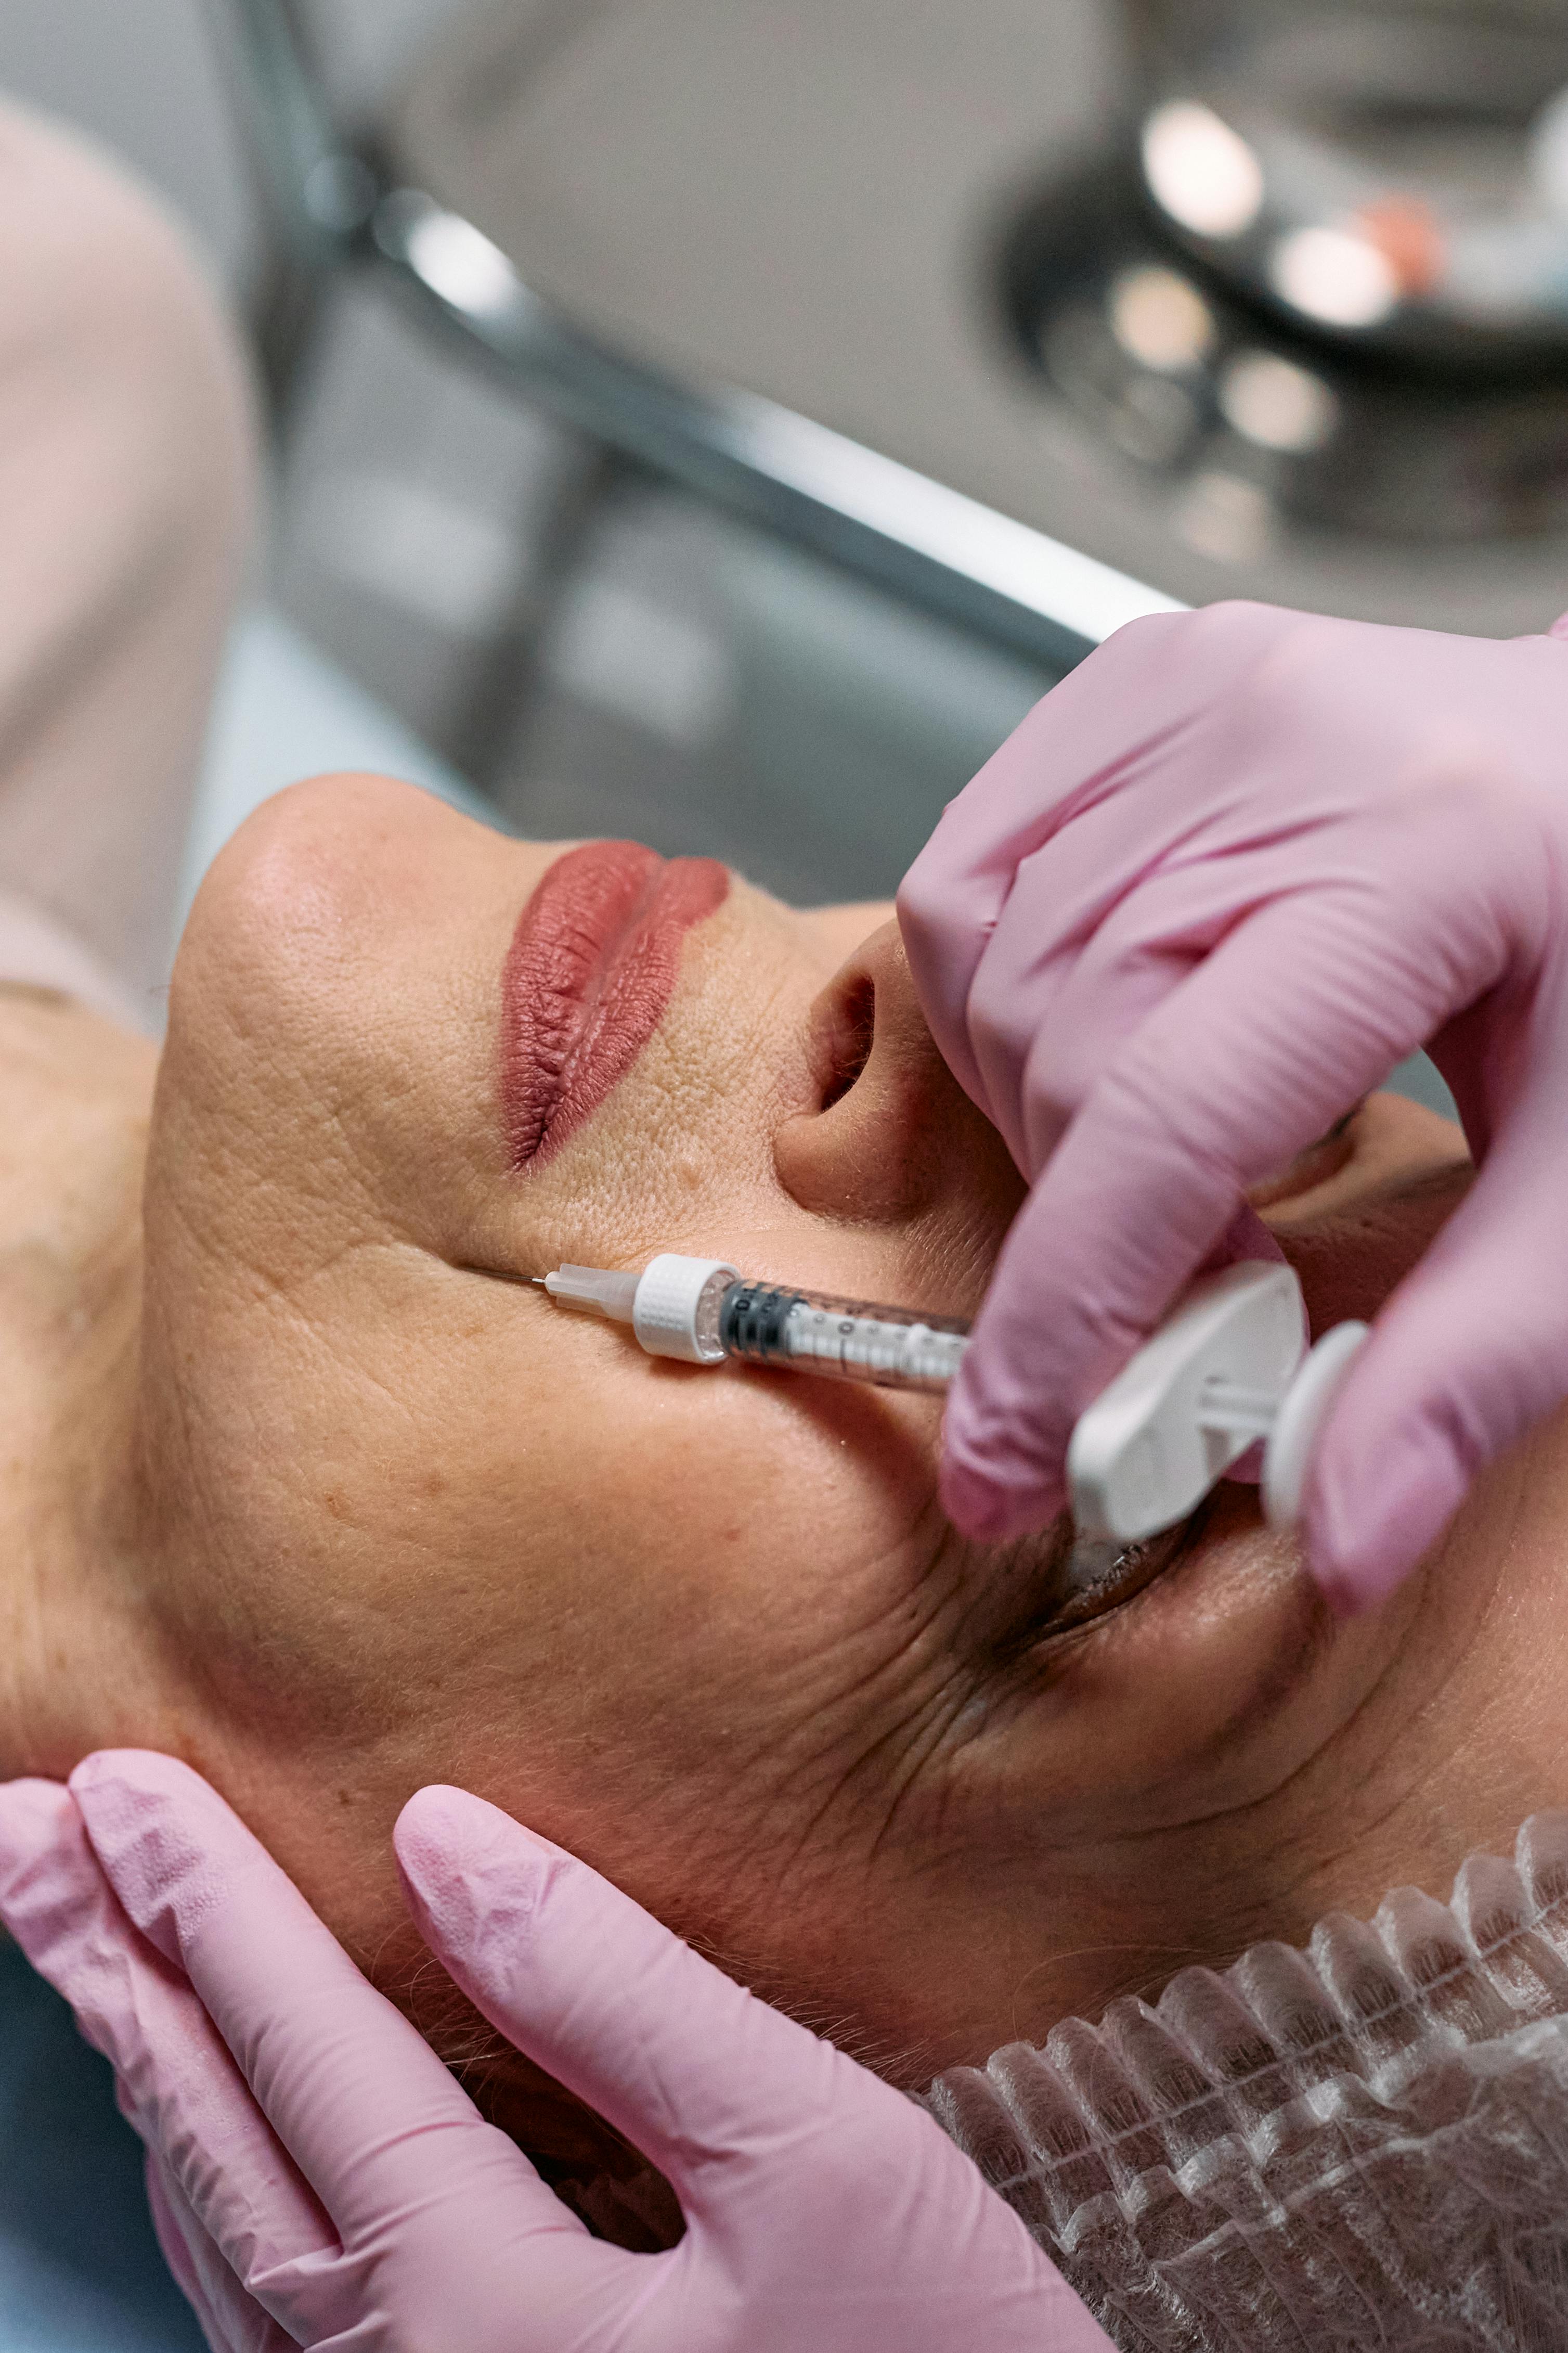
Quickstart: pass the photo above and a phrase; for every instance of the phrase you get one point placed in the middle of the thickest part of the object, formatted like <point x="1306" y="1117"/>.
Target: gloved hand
<point x="1230" y="872"/>
<point x="329" y="2184"/>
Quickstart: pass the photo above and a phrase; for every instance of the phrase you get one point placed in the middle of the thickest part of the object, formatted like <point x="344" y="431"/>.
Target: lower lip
<point x="591" y="966"/>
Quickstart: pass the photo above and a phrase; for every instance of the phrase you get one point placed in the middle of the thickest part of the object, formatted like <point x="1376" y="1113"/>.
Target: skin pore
<point x="300" y="1490"/>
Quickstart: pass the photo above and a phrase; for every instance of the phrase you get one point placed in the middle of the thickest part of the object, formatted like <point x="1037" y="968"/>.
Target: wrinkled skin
<point x="319" y="1505"/>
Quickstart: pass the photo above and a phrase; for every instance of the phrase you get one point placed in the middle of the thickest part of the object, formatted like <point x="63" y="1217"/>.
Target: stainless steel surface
<point x="809" y="206"/>
<point x="696" y="683"/>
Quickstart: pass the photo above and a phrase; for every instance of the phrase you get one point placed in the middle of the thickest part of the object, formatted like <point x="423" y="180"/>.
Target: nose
<point x="892" y="1136"/>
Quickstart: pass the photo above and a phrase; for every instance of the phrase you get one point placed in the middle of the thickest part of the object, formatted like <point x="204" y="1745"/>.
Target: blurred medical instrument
<point x="1318" y="288"/>
<point x="1394" y="174"/>
<point x="1227" y="1367"/>
<point x="331" y="2183"/>
<point x="402" y="195"/>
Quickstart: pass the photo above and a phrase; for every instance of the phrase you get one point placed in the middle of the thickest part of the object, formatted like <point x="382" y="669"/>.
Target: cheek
<point x="707" y="1594"/>
<point x="1228" y="1662"/>
<point x="1240" y="1705"/>
<point x="603" y="1534"/>
<point x="1200" y="1701"/>
<point x="651" y="1610"/>
<point x="727" y="1517"/>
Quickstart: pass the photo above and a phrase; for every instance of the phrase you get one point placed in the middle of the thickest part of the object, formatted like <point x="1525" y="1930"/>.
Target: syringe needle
<point x="497" y="1274"/>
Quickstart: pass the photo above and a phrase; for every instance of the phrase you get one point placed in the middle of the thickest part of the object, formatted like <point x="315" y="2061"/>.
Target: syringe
<point x="702" y="1310"/>
<point x="1227" y="1366"/>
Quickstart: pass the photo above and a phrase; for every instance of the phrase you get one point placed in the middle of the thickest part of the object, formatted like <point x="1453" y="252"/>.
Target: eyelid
<point x="1065" y="1608"/>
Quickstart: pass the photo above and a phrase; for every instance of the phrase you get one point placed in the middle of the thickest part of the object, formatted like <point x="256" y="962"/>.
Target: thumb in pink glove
<point x="319" y="2179"/>
<point x="1217" y="884"/>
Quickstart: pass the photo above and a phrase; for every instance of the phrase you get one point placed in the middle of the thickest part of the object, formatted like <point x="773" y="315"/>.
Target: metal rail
<point x="914" y="537"/>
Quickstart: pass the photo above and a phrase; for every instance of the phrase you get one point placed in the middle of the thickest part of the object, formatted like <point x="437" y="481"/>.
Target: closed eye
<point x="1075" y="1584"/>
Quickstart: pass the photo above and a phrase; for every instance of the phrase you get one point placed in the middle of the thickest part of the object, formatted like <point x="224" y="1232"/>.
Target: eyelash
<point x="1129" y="1573"/>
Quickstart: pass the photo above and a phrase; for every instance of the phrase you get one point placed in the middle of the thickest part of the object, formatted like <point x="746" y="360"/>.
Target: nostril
<point x="852" y="1027"/>
<point x="882" y="1131"/>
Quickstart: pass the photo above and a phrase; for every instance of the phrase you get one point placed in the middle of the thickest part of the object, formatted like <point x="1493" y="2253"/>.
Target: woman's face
<point x="410" y="1520"/>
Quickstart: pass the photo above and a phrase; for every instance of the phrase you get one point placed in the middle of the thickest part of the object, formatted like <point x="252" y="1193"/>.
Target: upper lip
<point x="589" y="970"/>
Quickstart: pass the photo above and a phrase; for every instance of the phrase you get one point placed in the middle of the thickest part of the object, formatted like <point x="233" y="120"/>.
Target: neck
<point x="77" y="1667"/>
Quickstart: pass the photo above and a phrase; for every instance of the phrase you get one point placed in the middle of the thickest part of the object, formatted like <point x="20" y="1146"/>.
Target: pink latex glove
<point x="1238" y="864"/>
<point x="319" y="2178"/>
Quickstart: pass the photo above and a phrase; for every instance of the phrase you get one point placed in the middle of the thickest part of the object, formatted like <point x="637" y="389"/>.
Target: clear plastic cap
<point x="595" y="1289"/>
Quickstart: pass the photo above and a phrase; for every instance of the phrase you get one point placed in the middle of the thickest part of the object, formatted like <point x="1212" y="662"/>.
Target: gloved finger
<point x="950" y="900"/>
<point x="1354" y="942"/>
<point x="365" y="2108"/>
<point x="52" y="1891"/>
<point x="1046" y="1012"/>
<point x="1097" y="929"/>
<point x="1468" y="1354"/>
<point x="231" y="2320"/>
<point x="686" y="2063"/>
<point x="776" y="2143"/>
<point x="1237" y="1071"/>
<point x="174" y="2079"/>
<point x="1072" y="756"/>
<point x="1060" y="992"/>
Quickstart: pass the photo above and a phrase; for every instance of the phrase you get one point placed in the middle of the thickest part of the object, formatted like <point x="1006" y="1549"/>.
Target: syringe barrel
<point x="847" y="1339"/>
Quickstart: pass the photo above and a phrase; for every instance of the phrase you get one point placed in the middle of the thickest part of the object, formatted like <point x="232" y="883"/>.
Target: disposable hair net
<point x="1363" y="2145"/>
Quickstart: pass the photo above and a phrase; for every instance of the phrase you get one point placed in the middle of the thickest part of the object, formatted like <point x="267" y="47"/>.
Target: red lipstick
<point x="591" y="968"/>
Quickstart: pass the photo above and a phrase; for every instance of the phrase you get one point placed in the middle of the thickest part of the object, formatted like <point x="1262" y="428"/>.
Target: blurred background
<point x="597" y="648"/>
<point x="598" y="332"/>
